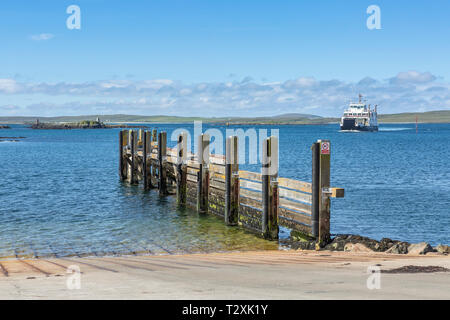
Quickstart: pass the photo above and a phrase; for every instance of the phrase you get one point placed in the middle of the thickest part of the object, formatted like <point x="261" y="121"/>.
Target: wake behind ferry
<point x="359" y="117"/>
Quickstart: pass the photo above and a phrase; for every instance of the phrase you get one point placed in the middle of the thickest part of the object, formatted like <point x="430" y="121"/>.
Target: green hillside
<point x="442" y="116"/>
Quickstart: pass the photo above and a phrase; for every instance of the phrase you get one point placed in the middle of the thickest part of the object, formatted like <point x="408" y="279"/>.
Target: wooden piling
<point x="269" y="190"/>
<point x="162" y="156"/>
<point x="324" y="192"/>
<point x="140" y="137"/>
<point x="121" y="157"/>
<point x="132" y="172"/>
<point x="182" y="169"/>
<point x="315" y="187"/>
<point x="146" y="160"/>
<point x="203" y="173"/>
<point x="231" y="181"/>
<point x="153" y="169"/>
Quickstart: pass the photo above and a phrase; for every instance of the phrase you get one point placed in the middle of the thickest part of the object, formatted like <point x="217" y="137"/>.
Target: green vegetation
<point x="442" y="116"/>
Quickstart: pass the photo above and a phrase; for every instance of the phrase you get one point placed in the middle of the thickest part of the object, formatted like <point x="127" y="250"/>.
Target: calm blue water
<point x="60" y="192"/>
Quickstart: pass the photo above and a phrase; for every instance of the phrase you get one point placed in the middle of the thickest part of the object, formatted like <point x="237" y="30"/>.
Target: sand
<point x="238" y="275"/>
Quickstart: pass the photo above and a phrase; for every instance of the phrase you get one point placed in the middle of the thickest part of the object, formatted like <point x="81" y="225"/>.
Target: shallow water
<point x="60" y="193"/>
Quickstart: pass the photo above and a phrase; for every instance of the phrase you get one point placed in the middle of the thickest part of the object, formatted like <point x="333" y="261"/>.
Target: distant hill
<point x="442" y="116"/>
<point x="292" y="118"/>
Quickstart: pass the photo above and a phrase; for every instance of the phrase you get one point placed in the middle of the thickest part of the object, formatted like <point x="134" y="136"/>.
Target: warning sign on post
<point x="325" y="147"/>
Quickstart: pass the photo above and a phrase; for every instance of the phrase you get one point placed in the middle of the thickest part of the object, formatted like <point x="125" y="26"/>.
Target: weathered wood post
<point x="132" y="174"/>
<point x="315" y="150"/>
<point x="182" y="169"/>
<point x="270" y="199"/>
<point x="121" y="156"/>
<point x="203" y="173"/>
<point x="154" y="139"/>
<point x="324" y="191"/>
<point x="162" y="158"/>
<point x="231" y="181"/>
<point x="146" y="160"/>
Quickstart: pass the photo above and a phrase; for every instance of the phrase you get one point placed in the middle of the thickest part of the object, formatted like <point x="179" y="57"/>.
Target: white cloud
<point x="42" y="36"/>
<point x="9" y="86"/>
<point x="407" y="91"/>
<point x="412" y="77"/>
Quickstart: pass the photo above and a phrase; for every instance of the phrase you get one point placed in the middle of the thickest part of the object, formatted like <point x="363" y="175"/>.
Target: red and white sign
<point x="325" y="148"/>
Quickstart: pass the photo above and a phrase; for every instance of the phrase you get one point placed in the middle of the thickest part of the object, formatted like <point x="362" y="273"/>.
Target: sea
<point x="60" y="193"/>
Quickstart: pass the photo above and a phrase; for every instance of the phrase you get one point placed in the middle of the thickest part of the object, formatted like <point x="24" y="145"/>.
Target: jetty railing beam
<point x="203" y="173"/>
<point x="231" y="181"/>
<point x="269" y="190"/>
<point x="182" y="169"/>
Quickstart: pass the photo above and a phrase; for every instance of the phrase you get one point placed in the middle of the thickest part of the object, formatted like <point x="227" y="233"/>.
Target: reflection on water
<point x="136" y="222"/>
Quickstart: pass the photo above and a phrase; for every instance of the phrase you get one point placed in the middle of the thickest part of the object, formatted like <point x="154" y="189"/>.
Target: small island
<point x="11" y="139"/>
<point x="4" y="127"/>
<point x="85" y="124"/>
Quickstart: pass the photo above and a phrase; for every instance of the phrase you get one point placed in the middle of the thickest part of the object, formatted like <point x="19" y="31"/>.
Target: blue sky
<point x="220" y="57"/>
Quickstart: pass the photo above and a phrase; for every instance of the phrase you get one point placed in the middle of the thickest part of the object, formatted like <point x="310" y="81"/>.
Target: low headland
<point x="85" y="124"/>
<point x="11" y="139"/>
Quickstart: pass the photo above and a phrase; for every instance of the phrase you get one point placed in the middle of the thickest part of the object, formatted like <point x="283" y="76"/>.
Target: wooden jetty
<point x="214" y="184"/>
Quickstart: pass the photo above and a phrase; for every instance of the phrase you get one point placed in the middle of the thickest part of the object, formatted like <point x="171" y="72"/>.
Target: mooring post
<point x="270" y="188"/>
<point x="203" y="173"/>
<point x="315" y="150"/>
<point x="146" y="160"/>
<point x="182" y="169"/>
<point x="231" y="181"/>
<point x="132" y="177"/>
<point x="324" y="191"/>
<point x="162" y="157"/>
<point x="141" y="137"/>
<point x="154" y="139"/>
<point x="121" y="174"/>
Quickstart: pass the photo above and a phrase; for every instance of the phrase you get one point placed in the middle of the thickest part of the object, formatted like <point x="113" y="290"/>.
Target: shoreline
<point x="223" y="123"/>
<point x="295" y="274"/>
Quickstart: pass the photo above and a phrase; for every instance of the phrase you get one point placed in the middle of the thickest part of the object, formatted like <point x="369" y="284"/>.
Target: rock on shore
<point x="356" y="243"/>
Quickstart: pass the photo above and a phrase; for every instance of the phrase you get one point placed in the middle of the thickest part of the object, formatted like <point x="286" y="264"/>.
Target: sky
<point x="222" y="57"/>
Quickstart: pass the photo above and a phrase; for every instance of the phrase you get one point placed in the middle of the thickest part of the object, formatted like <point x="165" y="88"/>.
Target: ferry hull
<point x="354" y="128"/>
<point x="349" y="125"/>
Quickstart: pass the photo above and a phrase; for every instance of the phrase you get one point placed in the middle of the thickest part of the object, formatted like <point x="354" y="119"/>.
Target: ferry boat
<point x="359" y="117"/>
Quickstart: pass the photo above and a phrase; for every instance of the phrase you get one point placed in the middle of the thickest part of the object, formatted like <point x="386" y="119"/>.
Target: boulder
<point x="441" y="248"/>
<point x="399" y="248"/>
<point x="356" y="247"/>
<point x="420" y="248"/>
<point x="336" y="245"/>
<point x="304" y="245"/>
